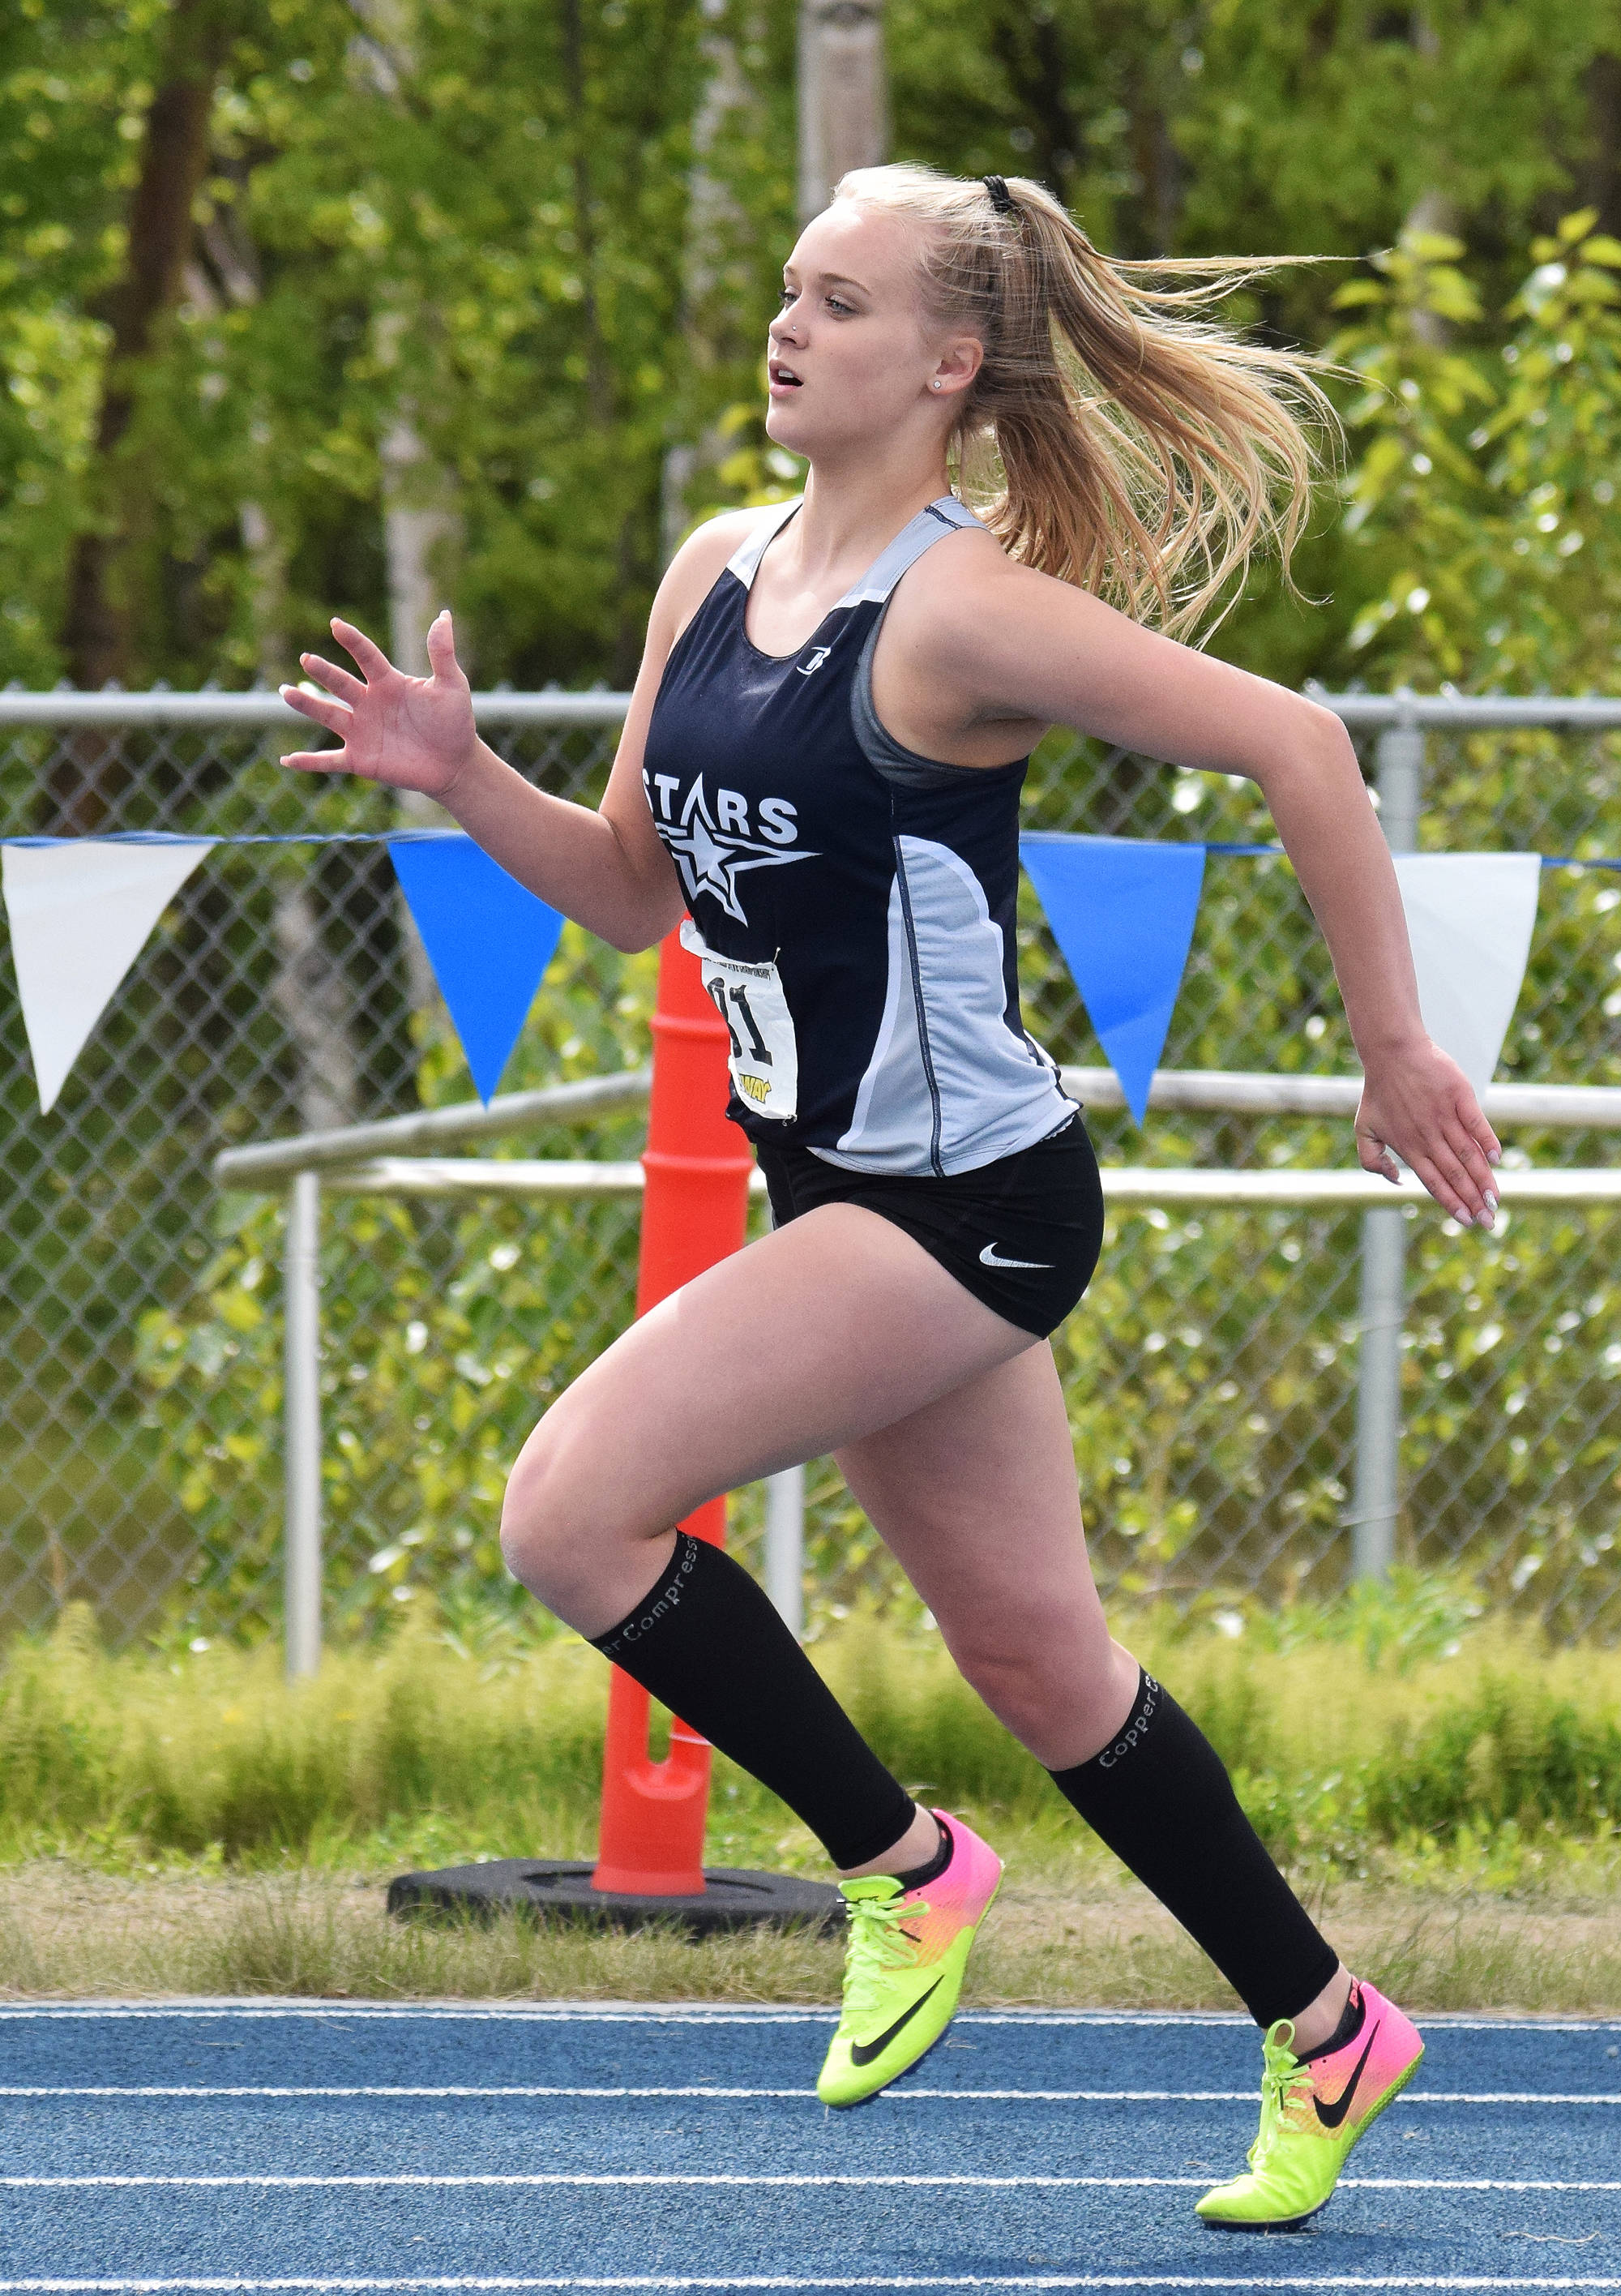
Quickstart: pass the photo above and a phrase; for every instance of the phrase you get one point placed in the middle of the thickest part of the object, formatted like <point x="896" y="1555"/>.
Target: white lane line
<point x="351" y="2286"/>
<point x="1508" y="2096"/>
<point x="530" y="2091"/>
<point x="808" y="2095"/>
<point x="1478" y="2185"/>
<point x="674" y="2012"/>
<point x="526" y="2180"/>
<point x="617" y="2013"/>
<point x="530" y="2180"/>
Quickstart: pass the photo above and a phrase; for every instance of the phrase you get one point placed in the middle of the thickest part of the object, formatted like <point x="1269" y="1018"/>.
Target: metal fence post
<point x="301" y="1424"/>
<point x="785" y="1546"/>
<point x="1384" y="1248"/>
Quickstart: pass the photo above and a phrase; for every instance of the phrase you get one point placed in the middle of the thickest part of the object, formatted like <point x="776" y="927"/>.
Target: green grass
<point x="1342" y="1748"/>
<point x="1447" y="1792"/>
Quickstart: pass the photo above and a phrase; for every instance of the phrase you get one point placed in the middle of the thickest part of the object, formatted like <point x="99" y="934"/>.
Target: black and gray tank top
<point x="852" y="904"/>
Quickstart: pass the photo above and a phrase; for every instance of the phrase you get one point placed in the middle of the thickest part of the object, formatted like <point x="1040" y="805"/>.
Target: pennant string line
<point x="403" y="836"/>
<point x="1548" y="860"/>
<point x="225" y="837"/>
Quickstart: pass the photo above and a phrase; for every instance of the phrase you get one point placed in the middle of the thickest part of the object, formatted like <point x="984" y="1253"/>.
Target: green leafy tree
<point x="1482" y="496"/>
<point x="484" y="209"/>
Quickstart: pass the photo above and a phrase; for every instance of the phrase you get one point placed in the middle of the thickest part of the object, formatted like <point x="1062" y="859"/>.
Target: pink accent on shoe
<point x="1340" y="2090"/>
<point x="955" y="1899"/>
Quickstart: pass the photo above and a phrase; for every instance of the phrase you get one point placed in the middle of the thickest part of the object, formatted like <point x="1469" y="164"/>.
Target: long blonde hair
<point x="1116" y="436"/>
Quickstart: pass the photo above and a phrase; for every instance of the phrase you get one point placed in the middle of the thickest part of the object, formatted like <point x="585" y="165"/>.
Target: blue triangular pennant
<point x="487" y="940"/>
<point x="1122" y="909"/>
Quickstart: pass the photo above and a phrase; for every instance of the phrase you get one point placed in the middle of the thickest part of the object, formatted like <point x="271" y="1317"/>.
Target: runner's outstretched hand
<point x="412" y="732"/>
<point x="1421" y="1105"/>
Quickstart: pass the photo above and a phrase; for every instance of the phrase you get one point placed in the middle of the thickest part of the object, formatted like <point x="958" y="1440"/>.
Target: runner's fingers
<point x="317" y="761"/>
<point x="1467" y="1173"/>
<point x="1458" y="1184"/>
<point x="1443" y="1178"/>
<point x="1471" y="1157"/>
<point x="343" y="683"/>
<point x="1486" y="1139"/>
<point x="442" y="645"/>
<point x="1373" y="1156"/>
<point x="1442" y="1189"/>
<point x="372" y="658"/>
<point x="337" y="716"/>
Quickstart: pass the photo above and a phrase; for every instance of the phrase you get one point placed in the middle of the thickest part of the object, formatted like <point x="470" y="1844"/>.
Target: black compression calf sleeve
<point x="708" y="1644"/>
<point x="1161" y="1799"/>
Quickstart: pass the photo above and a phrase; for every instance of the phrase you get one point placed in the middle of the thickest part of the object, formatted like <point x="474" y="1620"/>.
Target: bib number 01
<point x="763" y="1057"/>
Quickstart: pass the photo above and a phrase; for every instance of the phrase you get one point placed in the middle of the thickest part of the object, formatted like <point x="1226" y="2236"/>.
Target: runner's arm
<point x="604" y="867"/>
<point x="1012" y="645"/>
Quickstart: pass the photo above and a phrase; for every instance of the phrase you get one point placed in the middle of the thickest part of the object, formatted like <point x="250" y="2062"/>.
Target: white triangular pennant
<point x="1470" y="918"/>
<point x="80" y="912"/>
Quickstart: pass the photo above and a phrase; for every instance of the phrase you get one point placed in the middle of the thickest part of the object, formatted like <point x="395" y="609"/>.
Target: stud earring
<point x="935" y="385"/>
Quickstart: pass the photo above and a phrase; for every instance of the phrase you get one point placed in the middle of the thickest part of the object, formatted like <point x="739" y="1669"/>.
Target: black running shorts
<point x="1023" y="1234"/>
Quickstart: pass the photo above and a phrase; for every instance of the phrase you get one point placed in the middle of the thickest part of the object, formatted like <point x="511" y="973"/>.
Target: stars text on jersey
<point x="712" y="847"/>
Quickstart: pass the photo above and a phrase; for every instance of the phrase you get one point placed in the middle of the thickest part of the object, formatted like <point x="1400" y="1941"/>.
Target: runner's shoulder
<point x="954" y="593"/>
<point x="708" y="547"/>
<point x="699" y="563"/>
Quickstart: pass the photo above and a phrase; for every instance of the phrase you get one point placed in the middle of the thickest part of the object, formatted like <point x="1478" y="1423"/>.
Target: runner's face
<point x="850" y="359"/>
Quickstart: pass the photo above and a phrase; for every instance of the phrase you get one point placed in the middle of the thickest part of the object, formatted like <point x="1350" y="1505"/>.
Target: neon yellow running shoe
<point x="903" y="1965"/>
<point x="1311" y="2116"/>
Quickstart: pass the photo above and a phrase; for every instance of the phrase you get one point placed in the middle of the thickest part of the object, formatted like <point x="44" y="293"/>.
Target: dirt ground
<point x="69" y="1931"/>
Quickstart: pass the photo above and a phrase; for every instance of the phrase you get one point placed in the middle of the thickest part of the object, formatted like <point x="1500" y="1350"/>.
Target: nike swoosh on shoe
<point x="862" y="2053"/>
<point x="1332" y="2115"/>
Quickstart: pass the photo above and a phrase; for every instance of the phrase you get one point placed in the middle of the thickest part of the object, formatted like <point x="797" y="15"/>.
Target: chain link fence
<point x="1211" y="1370"/>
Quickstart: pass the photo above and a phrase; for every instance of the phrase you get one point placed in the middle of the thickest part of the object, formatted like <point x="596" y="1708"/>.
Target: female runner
<point x="819" y="779"/>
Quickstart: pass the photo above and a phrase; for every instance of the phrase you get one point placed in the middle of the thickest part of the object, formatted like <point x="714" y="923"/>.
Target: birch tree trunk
<point x="313" y="995"/>
<point x="421" y="533"/>
<point x="1432" y="213"/>
<point x="421" y="525"/>
<point x="713" y="292"/>
<point x="421" y="522"/>
<point x="844" y="107"/>
<point x="1602" y="175"/>
<point x="310" y="986"/>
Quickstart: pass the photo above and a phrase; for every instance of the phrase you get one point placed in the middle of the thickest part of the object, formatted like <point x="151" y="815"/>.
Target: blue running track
<point x="313" y="2147"/>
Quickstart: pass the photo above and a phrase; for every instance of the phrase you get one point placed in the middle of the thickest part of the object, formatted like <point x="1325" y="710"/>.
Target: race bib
<point x="765" y="1059"/>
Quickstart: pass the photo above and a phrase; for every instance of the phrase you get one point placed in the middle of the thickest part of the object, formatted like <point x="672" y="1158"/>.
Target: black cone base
<point x="732" y="1898"/>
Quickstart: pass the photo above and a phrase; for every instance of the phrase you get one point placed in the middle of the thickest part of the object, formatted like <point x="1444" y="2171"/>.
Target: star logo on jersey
<point x="711" y="859"/>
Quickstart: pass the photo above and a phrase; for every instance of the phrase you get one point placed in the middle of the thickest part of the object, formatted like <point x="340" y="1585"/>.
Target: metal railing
<point x="261" y="706"/>
<point x="1209" y="1091"/>
<point x="112" y="711"/>
<point x="138" y="1363"/>
<point x="352" y="1167"/>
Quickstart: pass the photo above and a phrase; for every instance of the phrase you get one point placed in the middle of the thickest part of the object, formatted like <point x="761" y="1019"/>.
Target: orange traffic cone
<point x="694" y="1212"/>
<point x="650" y="1865"/>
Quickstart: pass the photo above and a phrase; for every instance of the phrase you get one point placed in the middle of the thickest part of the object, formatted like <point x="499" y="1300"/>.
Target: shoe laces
<point x="876" y="1944"/>
<point x="1280" y="2072"/>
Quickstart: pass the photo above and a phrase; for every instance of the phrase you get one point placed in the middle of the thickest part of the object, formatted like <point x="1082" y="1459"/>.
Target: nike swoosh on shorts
<point x="990" y="1258"/>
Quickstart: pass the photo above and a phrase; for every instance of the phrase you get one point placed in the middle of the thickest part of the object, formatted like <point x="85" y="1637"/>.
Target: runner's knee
<point x="544" y="1534"/>
<point x="1012" y="1681"/>
<point x="1040" y="1683"/>
<point x="567" y="1517"/>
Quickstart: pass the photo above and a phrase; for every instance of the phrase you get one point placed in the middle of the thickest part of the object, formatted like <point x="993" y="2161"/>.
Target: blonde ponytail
<point x="1116" y="435"/>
